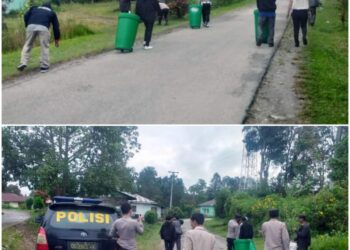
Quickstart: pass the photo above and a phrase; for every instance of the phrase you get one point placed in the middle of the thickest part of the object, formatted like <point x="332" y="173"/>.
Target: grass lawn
<point x="219" y="226"/>
<point x="150" y="239"/>
<point x="325" y="68"/>
<point x="101" y="18"/>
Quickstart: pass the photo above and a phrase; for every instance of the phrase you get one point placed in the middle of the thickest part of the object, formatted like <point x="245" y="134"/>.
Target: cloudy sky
<point x="194" y="151"/>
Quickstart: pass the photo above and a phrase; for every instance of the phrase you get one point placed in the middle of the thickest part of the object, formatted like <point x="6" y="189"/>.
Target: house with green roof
<point x="207" y="208"/>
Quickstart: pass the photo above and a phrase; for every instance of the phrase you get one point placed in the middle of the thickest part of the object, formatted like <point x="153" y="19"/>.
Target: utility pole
<point x="173" y="174"/>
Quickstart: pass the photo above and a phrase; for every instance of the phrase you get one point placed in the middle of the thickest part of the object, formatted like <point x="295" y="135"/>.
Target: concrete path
<point x="13" y="217"/>
<point x="206" y="76"/>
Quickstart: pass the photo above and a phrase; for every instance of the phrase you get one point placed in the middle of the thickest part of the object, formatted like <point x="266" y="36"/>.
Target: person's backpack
<point x="178" y="228"/>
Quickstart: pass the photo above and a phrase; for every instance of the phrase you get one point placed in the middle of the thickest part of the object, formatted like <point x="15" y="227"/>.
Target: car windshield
<point x="76" y="218"/>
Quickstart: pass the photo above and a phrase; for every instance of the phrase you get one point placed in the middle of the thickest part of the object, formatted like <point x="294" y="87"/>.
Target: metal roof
<point x="210" y="203"/>
<point x="10" y="197"/>
<point x="142" y="200"/>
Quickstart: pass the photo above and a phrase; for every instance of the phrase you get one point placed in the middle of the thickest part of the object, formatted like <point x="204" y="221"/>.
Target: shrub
<point x="220" y="199"/>
<point x="29" y="203"/>
<point x="151" y="217"/>
<point x="175" y="211"/>
<point x="38" y="202"/>
<point x="327" y="242"/>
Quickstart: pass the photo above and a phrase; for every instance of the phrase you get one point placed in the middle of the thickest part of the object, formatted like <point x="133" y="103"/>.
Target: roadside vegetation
<point x="87" y="29"/>
<point x="324" y="71"/>
<point x="150" y="239"/>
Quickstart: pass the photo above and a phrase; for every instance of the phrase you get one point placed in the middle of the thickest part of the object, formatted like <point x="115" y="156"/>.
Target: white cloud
<point x="195" y="151"/>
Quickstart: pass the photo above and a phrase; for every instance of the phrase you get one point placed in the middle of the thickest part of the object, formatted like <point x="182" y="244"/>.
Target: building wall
<point x="12" y="204"/>
<point x="143" y="208"/>
<point x="208" y="211"/>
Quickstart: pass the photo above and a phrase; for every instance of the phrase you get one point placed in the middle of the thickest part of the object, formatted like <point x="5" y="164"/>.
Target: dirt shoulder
<point x="279" y="99"/>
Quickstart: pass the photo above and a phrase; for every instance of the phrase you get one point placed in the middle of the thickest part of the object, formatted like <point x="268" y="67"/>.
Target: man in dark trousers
<point x="37" y="22"/>
<point x="163" y="14"/>
<point x="147" y="10"/>
<point x="125" y="6"/>
<point x="314" y="4"/>
<point x="303" y="237"/>
<point x="246" y="230"/>
<point x="168" y="233"/>
<point x="267" y="14"/>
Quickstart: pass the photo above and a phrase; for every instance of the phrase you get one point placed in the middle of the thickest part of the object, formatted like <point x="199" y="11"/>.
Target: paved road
<point x="13" y="217"/>
<point x="205" y="76"/>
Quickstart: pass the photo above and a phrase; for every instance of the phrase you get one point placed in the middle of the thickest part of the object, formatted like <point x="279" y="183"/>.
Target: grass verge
<point x="324" y="70"/>
<point x="21" y="236"/>
<point x="102" y="40"/>
<point x="150" y="239"/>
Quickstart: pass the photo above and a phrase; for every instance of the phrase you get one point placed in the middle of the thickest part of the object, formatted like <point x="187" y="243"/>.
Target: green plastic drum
<point x="126" y="31"/>
<point x="244" y="245"/>
<point x="195" y="16"/>
<point x="265" y="28"/>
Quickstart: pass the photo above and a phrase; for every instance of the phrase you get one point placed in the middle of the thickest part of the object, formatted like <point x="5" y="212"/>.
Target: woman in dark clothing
<point x="300" y="10"/>
<point x="147" y="10"/>
<point x="168" y="233"/>
<point x="246" y="230"/>
<point x="206" y="6"/>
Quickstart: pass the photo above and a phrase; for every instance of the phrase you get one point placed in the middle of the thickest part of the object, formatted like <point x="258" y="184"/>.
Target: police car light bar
<point x="58" y="199"/>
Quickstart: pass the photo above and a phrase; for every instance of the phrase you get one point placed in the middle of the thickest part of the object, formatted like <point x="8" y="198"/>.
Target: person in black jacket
<point x="303" y="237"/>
<point x="267" y="14"/>
<point x="246" y="230"/>
<point x="37" y="22"/>
<point x="168" y="233"/>
<point x="147" y="10"/>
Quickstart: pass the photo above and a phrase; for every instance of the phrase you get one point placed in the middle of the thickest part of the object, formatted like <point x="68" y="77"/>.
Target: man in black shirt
<point x="303" y="237"/>
<point x="246" y="230"/>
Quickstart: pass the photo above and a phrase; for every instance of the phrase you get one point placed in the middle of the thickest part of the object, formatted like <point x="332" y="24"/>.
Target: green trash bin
<point x="195" y="16"/>
<point x="244" y="245"/>
<point x="265" y="28"/>
<point x="126" y="31"/>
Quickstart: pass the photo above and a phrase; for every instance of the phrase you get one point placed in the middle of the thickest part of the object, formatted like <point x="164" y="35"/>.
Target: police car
<point x="72" y="223"/>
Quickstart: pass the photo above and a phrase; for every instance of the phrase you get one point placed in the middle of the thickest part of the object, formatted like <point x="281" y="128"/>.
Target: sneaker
<point x="271" y="45"/>
<point x="258" y="43"/>
<point x="21" y="67"/>
<point x="144" y="43"/>
<point x="44" y="69"/>
<point x="148" y="47"/>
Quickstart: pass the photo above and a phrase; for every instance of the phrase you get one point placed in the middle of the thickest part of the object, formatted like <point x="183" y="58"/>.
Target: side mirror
<point x="39" y="219"/>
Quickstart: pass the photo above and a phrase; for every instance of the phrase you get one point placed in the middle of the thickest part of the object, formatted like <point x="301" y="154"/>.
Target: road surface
<point x="13" y="217"/>
<point x="202" y="76"/>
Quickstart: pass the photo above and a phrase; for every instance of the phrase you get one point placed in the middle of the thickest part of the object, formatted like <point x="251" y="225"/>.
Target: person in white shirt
<point x="198" y="238"/>
<point x="299" y="9"/>
<point x="233" y="229"/>
<point x="163" y="14"/>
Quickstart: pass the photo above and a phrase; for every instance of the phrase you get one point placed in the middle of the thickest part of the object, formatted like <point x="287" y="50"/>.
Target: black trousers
<point x="163" y="15"/>
<point x="206" y="12"/>
<point x="169" y="245"/>
<point x="299" y="21"/>
<point x="148" y="31"/>
<point x="230" y="243"/>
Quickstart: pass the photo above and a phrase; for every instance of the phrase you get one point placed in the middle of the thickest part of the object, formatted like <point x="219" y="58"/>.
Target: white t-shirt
<point x="300" y="4"/>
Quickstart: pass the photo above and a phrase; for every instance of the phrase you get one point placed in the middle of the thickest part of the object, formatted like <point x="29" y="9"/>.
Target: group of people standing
<point x="300" y="10"/>
<point x="274" y="232"/>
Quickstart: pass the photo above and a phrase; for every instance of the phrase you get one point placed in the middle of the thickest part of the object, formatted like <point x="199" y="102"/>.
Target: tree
<point x="215" y="186"/>
<point x="13" y="189"/>
<point x="68" y="160"/>
<point x="339" y="163"/>
<point x="269" y="141"/>
<point x="148" y="184"/>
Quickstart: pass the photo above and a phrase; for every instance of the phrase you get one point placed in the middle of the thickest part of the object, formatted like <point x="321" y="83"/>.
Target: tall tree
<point x="215" y="186"/>
<point x="68" y="160"/>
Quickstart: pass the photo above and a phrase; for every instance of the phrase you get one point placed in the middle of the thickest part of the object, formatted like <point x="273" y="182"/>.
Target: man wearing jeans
<point x="267" y="14"/>
<point x="37" y="21"/>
